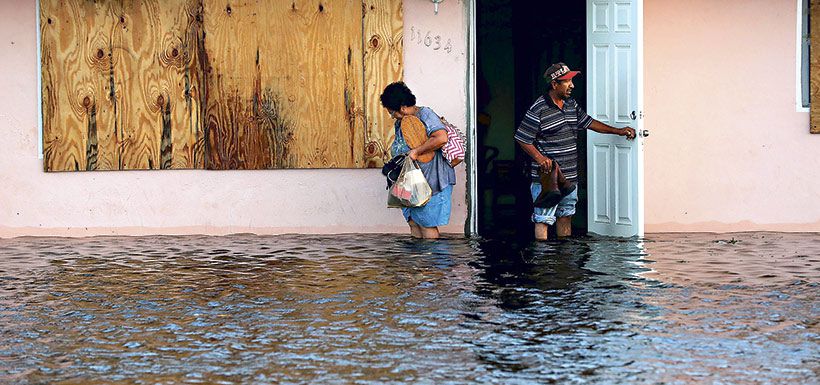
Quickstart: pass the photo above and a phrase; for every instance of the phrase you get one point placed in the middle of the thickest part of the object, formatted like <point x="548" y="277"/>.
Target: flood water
<point x="373" y="309"/>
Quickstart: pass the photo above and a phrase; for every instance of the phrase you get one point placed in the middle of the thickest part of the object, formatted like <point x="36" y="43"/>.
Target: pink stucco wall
<point x="210" y="202"/>
<point x="728" y="149"/>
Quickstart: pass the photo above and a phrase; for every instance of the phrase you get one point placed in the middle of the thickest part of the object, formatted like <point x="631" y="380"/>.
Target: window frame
<point x="803" y="57"/>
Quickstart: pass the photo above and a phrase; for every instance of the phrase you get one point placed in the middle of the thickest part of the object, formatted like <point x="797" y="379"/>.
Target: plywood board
<point x="74" y="77"/>
<point x="159" y="84"/>
<point x="284" y="84"/>
<point x="383" y="55"/>
<point x="115" y="79"/>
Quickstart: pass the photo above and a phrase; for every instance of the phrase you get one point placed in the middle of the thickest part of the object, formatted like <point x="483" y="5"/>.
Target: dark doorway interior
<point x="516" y="42"/>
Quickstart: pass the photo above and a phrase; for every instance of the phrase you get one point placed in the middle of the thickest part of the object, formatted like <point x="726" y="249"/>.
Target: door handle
<point x="633" y="115"/>
<point x="643" y="133"/>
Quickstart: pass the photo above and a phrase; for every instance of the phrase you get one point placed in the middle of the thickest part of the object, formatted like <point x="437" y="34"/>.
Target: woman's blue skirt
<point x="435" y="213"/>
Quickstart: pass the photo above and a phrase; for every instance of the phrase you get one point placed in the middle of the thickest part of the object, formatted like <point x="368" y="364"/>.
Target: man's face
<point x="563" y="88"/>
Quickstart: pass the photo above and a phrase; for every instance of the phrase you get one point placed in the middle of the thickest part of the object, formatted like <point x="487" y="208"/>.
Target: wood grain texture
<point x="814" y="69"/>
<point x="75" y="107"/>
<point x="251" y="84"/>
<point x="149" y="79"/>
<point x="285" y="85"/>
<point x="115" y="76"/>
<point x="384" y="42"/>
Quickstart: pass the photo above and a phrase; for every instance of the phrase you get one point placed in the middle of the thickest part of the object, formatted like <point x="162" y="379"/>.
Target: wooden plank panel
<point x="149" y="81"/>
<point x="77" y="124"/>
<point x="131" y="84"/>
<point x="382" y="65"/>
<point x="115" y="78"/>
<point x="135" y="83"/>
<point x="181" y="80"/>
<point x="288" y="96"/>
<point x="814" y="70"/>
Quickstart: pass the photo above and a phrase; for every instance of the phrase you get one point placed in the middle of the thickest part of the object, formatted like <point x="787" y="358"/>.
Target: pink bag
<point x="455" y="148"/>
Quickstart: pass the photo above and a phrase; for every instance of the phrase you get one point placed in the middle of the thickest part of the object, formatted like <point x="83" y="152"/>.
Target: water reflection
<point x="569" y="308"/>
<point x="388" y="309"/>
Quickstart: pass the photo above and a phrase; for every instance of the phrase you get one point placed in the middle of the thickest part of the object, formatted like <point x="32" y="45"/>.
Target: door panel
<point x="623" y="176"/>
<point x="614" y="89"/>
<point x="624" y="102"/>
<point x="599" y="80"/>
<point x="600" y="176"/>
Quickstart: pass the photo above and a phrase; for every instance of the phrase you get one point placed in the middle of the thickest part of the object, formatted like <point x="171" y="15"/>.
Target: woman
<point x="424" y="221"/>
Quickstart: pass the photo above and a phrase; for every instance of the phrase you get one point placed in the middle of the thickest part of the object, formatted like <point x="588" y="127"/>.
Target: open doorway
<point x="515" y="43"/>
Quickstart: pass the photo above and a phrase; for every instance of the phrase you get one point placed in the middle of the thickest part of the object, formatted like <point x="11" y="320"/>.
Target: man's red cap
<point x="559" y="71"/>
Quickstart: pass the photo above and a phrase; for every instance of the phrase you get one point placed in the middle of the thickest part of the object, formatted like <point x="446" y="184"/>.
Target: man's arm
<point x="597" y="126"/>
<point x="539" y="158"/>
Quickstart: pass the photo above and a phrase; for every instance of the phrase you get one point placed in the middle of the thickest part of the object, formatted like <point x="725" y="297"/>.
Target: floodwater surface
<point x="375" y="309"/>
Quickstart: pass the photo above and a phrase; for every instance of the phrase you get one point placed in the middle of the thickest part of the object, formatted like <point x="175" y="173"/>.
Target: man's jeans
<point x="565" y="208"/>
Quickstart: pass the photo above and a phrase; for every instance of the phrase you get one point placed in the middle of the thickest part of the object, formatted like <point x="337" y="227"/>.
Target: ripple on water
<point x="672" y="308"/>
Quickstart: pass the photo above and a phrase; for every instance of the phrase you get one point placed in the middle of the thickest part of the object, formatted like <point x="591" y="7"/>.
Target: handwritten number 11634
<point x="434" y="42"/>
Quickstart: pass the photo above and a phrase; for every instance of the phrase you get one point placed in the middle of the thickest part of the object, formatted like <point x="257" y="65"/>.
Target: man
<point x="548" y="134"/>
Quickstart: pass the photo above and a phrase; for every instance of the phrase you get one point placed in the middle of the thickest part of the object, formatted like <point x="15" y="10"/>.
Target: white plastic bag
<point x="411" y="188"/>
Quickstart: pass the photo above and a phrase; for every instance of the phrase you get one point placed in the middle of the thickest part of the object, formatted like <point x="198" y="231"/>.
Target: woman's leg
<point x="415" y="229"/>
<point x="429" y="232"/>
<point x="436" y="212"/>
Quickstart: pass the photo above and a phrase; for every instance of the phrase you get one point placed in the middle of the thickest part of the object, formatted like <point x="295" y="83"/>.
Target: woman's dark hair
<point x="396" y="95"/>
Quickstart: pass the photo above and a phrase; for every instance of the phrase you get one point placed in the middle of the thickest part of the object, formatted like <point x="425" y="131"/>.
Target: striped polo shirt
<point x="553" y="132"/>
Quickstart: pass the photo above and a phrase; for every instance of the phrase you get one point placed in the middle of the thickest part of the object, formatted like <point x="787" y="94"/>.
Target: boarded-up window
<point x="160" y="84"/>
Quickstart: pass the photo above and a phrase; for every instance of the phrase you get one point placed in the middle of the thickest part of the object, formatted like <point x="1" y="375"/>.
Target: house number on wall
<point x="435" y="42"/>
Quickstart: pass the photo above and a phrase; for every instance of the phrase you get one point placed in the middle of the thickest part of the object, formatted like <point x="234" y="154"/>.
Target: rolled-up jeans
<point x="564" y="208"/>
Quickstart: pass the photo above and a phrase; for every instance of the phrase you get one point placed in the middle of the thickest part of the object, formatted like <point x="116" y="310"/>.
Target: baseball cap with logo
<point x="559" y="71"/>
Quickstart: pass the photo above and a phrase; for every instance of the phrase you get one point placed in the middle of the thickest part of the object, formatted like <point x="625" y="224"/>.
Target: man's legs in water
<point x="541" y="231"/>
<point x="541" y="217"/>
<point x="563" y="227"/>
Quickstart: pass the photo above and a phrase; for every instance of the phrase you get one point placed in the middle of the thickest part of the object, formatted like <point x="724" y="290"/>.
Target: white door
<point x="615" y="97"/>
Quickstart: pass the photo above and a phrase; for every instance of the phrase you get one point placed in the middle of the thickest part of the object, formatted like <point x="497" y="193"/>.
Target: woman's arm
<point x="435" y="141"/>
